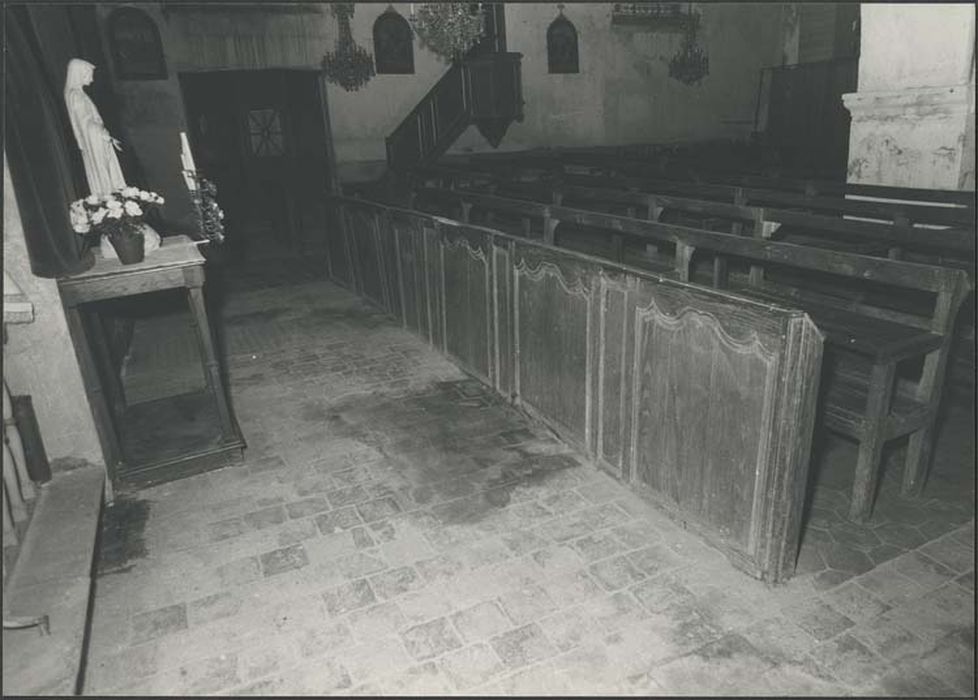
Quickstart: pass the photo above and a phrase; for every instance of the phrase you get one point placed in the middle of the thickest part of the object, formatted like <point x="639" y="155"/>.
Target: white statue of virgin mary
<point x="97" y="145"/>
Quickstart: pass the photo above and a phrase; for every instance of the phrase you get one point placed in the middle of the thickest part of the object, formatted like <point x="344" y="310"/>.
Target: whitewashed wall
<point x="623" y="93"/>
<point x="39" y="357"/>
<point x="914" y="112"/>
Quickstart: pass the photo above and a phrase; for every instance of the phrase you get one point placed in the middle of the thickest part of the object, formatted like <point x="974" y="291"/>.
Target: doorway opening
<point x="261" y="137"/>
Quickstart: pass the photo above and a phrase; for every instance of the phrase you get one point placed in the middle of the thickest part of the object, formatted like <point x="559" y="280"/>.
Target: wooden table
<point x="162" y="439"/>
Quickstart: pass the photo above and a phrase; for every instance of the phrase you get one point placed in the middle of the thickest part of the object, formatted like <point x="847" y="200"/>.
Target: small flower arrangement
<point x="210" y="213"/>
<point x="114" y="215"/>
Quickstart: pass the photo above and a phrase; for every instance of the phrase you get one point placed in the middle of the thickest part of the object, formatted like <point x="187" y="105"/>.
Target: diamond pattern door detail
<point x="265" y="133"/>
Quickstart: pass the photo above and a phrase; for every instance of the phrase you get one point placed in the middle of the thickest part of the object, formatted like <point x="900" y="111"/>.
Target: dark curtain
<point x="88" y="45"/>
<point x="36" y="138"/>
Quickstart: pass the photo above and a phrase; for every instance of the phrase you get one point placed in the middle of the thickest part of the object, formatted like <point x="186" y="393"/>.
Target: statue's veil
<point x="77" y="70"/>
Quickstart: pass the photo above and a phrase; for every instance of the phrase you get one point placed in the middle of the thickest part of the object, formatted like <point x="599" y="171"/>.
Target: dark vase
<point x="129" y="247"/>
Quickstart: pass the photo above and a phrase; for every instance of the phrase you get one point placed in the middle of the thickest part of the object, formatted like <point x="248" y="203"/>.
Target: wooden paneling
<point x="367" y="256"/>
<point x="504" y="352"/>
<point x="411" y="282"/>
<point x="338" y="250"/>
<point x="612" y="375"/>
<point x="701" y="399"/>
<point x="449" y="102"/>
<point x="552" y="333"/>
<point x="486" y="86"/>
<point x="387" y="240"/>
<point x="468" y="317"/>
<point x="434" y="286"/>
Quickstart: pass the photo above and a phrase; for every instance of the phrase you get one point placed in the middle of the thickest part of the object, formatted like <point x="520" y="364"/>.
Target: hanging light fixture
<point x="349" y="65"/>
<point x="690" y="64"/>
<point x="448" y="29"/>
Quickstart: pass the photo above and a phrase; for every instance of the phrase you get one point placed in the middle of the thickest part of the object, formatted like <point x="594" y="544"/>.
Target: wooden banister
<point x="487" y="87"/>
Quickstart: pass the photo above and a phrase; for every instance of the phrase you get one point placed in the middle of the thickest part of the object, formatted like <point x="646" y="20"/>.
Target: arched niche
<point x="562" y="46"/>
<point x="393" y="44"/>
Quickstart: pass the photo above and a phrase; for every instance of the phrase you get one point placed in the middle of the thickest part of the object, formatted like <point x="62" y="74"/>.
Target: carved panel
<point x="338" y="254"/>
<point x="387" y="242"/>
<point x="701" y="416"/>
<point x="612" y="374"/>
<point x="552" y="335"/>
<point x="367" y="256"/>
<point x="468" y="309"/>
<point x="435" y="291"/>
<point x="410" y="256"/>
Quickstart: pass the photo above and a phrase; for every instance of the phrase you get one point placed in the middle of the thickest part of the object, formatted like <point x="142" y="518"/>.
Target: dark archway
<point x="393" y="44"/>
<point x="562" y="46"/>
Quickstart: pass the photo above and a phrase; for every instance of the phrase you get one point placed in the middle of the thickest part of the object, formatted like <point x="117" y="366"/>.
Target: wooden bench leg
<point x="921" y="442"/>
<point x="871" y="445"/>
<point x="721" y="274"/>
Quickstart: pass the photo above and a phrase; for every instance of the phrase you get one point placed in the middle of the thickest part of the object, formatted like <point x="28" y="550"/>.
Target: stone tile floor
<point x="396" y="529"/>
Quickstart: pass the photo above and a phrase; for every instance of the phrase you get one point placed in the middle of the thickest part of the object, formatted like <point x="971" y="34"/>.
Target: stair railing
<point x="485" y="87"/>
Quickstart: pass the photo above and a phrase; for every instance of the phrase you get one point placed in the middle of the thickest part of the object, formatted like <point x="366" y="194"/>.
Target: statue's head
<point x="80" y="72"/>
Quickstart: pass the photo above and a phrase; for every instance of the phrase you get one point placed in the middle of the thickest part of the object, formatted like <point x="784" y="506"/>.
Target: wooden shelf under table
<point x="162" y="439"/>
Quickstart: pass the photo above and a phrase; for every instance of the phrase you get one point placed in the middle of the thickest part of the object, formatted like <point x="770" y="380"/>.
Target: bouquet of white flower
<point x="117" y="216"/>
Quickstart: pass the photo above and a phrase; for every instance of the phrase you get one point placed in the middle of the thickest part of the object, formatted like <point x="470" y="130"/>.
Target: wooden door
<point x="260" y="136"/>
<point x="267" y="149"/>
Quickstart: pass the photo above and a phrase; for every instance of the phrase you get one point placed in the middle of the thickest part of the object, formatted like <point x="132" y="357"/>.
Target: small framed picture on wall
<point x="134" y="39"/>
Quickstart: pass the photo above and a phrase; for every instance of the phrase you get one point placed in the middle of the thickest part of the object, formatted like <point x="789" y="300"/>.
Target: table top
<point x="174" y="251"/>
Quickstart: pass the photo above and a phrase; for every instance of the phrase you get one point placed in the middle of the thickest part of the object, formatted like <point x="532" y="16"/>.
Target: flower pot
<point x="151" y="241"/>
<point x="129" y="247"/>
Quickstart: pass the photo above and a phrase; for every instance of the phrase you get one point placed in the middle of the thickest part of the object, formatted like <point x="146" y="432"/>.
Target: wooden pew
<point x="829" y="188"/>
<point x="907" y="210"/>
<point x="862" y="399"/>
<point x="956" y="246"/>
<point x="627" y="174"/>
<point x="638" y="163"/>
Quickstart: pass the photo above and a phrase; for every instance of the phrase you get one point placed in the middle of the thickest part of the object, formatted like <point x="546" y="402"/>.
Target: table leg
<point x="9" y="527"/>
<point x="104" y="425"/>
<point x="114" y="391"/>
<point x="871" y="444"/>
<point x="212" y="371"/>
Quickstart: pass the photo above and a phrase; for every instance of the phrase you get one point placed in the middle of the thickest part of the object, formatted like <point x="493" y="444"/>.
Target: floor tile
<point x="397" y="529"/>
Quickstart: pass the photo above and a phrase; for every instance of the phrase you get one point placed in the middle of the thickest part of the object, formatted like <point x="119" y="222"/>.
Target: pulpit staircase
<point x="485" y="91"/>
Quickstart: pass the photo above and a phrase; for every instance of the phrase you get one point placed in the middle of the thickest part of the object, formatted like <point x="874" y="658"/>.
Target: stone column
<point x="913" y="114"/>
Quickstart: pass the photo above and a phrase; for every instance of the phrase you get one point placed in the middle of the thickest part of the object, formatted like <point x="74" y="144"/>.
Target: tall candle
<point x="185" y="145"/>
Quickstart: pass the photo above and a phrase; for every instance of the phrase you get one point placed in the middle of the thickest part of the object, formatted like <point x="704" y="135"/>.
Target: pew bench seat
<point x="871" y="342"/>
<point x="849" y="330"/>
<point x="844" y="409"/>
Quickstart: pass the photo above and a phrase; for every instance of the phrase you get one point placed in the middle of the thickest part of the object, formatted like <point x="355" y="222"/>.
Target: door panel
<point x="260" y="136"/>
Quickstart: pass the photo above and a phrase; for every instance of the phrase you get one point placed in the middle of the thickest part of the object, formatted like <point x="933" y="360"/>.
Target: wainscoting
<point x="700" y="399"/>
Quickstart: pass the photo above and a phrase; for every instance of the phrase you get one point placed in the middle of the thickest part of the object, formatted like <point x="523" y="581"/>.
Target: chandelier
<point x="690" y="64"/>
<point x="349" y="65"/>
<point x="448" y="29"/>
